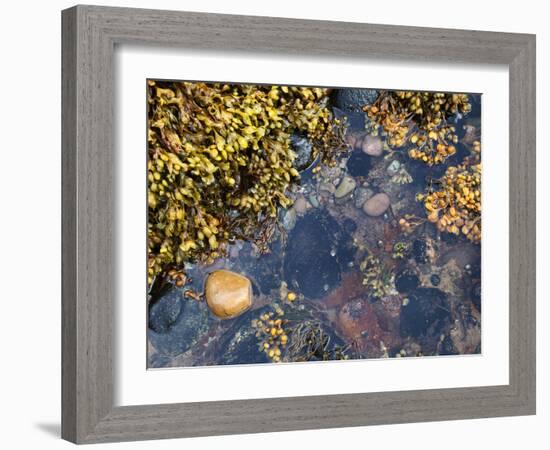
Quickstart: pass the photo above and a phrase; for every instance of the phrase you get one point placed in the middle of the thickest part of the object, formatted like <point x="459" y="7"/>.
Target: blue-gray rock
<point x="191" y="324"/>
<point x="303" y="148"/>
<point x="353" y="100"/>
<point x="164" y="312"/>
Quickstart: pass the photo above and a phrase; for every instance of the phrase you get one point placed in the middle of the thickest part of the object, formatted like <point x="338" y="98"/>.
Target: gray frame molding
<point x="89" y="36"/>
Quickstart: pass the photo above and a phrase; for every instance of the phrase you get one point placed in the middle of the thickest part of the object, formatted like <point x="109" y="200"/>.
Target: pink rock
<point x="377" y="204"/>
<point x="372" y="145"/>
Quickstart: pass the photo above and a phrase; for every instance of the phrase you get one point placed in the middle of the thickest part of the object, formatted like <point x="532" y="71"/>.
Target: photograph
<point x="306" y="224"/>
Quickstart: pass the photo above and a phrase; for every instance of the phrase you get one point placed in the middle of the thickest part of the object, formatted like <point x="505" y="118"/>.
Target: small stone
<point x="361" y="195"/>
<point x="377" y="204"/>
<point x="327" y="187"/>
<point x="393" y="168"/>
<point x="435" y="279"/>
<point x="228" y="294"/>
<point x="304" y="151"/>
<point x="301" y="205"/>
<point x="289" y="219"/>
<point x="372" y="145"/>
<point x="346" y="186"/>
<point x="314" y="201"/>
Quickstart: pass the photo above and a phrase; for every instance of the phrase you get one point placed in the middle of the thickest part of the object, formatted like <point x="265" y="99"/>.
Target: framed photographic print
<point x="266" y="230"/>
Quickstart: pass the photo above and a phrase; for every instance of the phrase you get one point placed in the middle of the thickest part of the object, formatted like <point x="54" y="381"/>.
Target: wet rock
<point x="303" y="148"/>
<point x="419" y="250"/>
<point x="164" y="312"/>
<point x="359" y="164"/>
<point x="228" y="294"/>
<point x="426" y="312"/>
<point x="353" y="100"/>
<point x="406" y="281"/>
<point x="377" y="204"/>
<point x="240" y="344"/>
<point x="309" y="265"/>
<point x="192" y="323"/>
<point x="361" y="195"/>
<point x="372" y="145"/>
<point x="346" y="186"/>
<point x="301" y="205"/>
<point x="289" y="219"/>
<point x="314" y="201"/>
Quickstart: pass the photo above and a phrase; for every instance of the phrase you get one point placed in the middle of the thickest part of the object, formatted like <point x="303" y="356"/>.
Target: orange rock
<point x="228" y="294"/>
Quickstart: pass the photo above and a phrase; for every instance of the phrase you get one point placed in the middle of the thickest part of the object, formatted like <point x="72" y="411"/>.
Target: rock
<point x="327" y="187"/>
<point x="301" y="205"/>
<point x="377" y="204"/>
<point x="191" y="325"/>
<point x="406" y="281"/>
<point x="419" y="251"/>
<point x="372" y="145"/>
<point x="314" y="201"/>
<point x="435" y="279"/>
<point x="359" y="164"/>
<point x="425" y="313"/>
<point x="228" y="294"/>
<point x="164" y="312"/>
<point x="361" y="195"/>
<point x="353" y="100"/>
<point x="303" y="148"/>
<point x="289" y="219"/>
<point x="346" y="186"/>
<point x="394" y="167"/>
<point x="308" y="264"/>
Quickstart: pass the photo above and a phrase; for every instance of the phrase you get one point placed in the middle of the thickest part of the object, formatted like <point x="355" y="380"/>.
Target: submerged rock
<point x="406" y="281"/>
<point x="228" y="294"/>
<point x="377" y="204"/>
<point x="192" y="323"/>
<point x="425" y="312"/>
<point x="303" y="148"/>
<point x="353" y="100"/>
<point x="316" y="252"/>
<point x="164" y="312"/>
<point x="359" y="164"/>
<point x="346" y="186"/>
<point x="372" y="145"/>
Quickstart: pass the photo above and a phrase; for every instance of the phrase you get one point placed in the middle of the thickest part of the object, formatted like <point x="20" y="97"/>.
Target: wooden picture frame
<point x="90" y="34"/>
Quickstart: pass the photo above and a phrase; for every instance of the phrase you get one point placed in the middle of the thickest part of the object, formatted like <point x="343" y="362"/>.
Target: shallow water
<point x="431" y="307"/>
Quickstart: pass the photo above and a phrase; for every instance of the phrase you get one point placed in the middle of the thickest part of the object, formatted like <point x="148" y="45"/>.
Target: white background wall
<point x="30" y="223"/>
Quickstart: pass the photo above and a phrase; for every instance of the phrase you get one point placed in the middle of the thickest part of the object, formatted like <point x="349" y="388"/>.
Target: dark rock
<point x="310" y="265"/>
<point x="426" y="312"/>
<point x="353" y="100"/>
<point x="419" y="251"/>
<point x="406" y="281"/>
<point x="192" y="322"/>
<point x="164" y="312"/>
<point x="304" y="151"/>
<point x="435" y="279"/>
<point x="359" y="164"/>
<point x="240" y="344"/>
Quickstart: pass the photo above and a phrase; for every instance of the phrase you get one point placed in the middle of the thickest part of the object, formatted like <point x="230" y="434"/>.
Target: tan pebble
<point x="228" y="294"/>
<point x="377" y="204"/>
<point x="372" y="145"/>
<point x="301" y="205"/>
